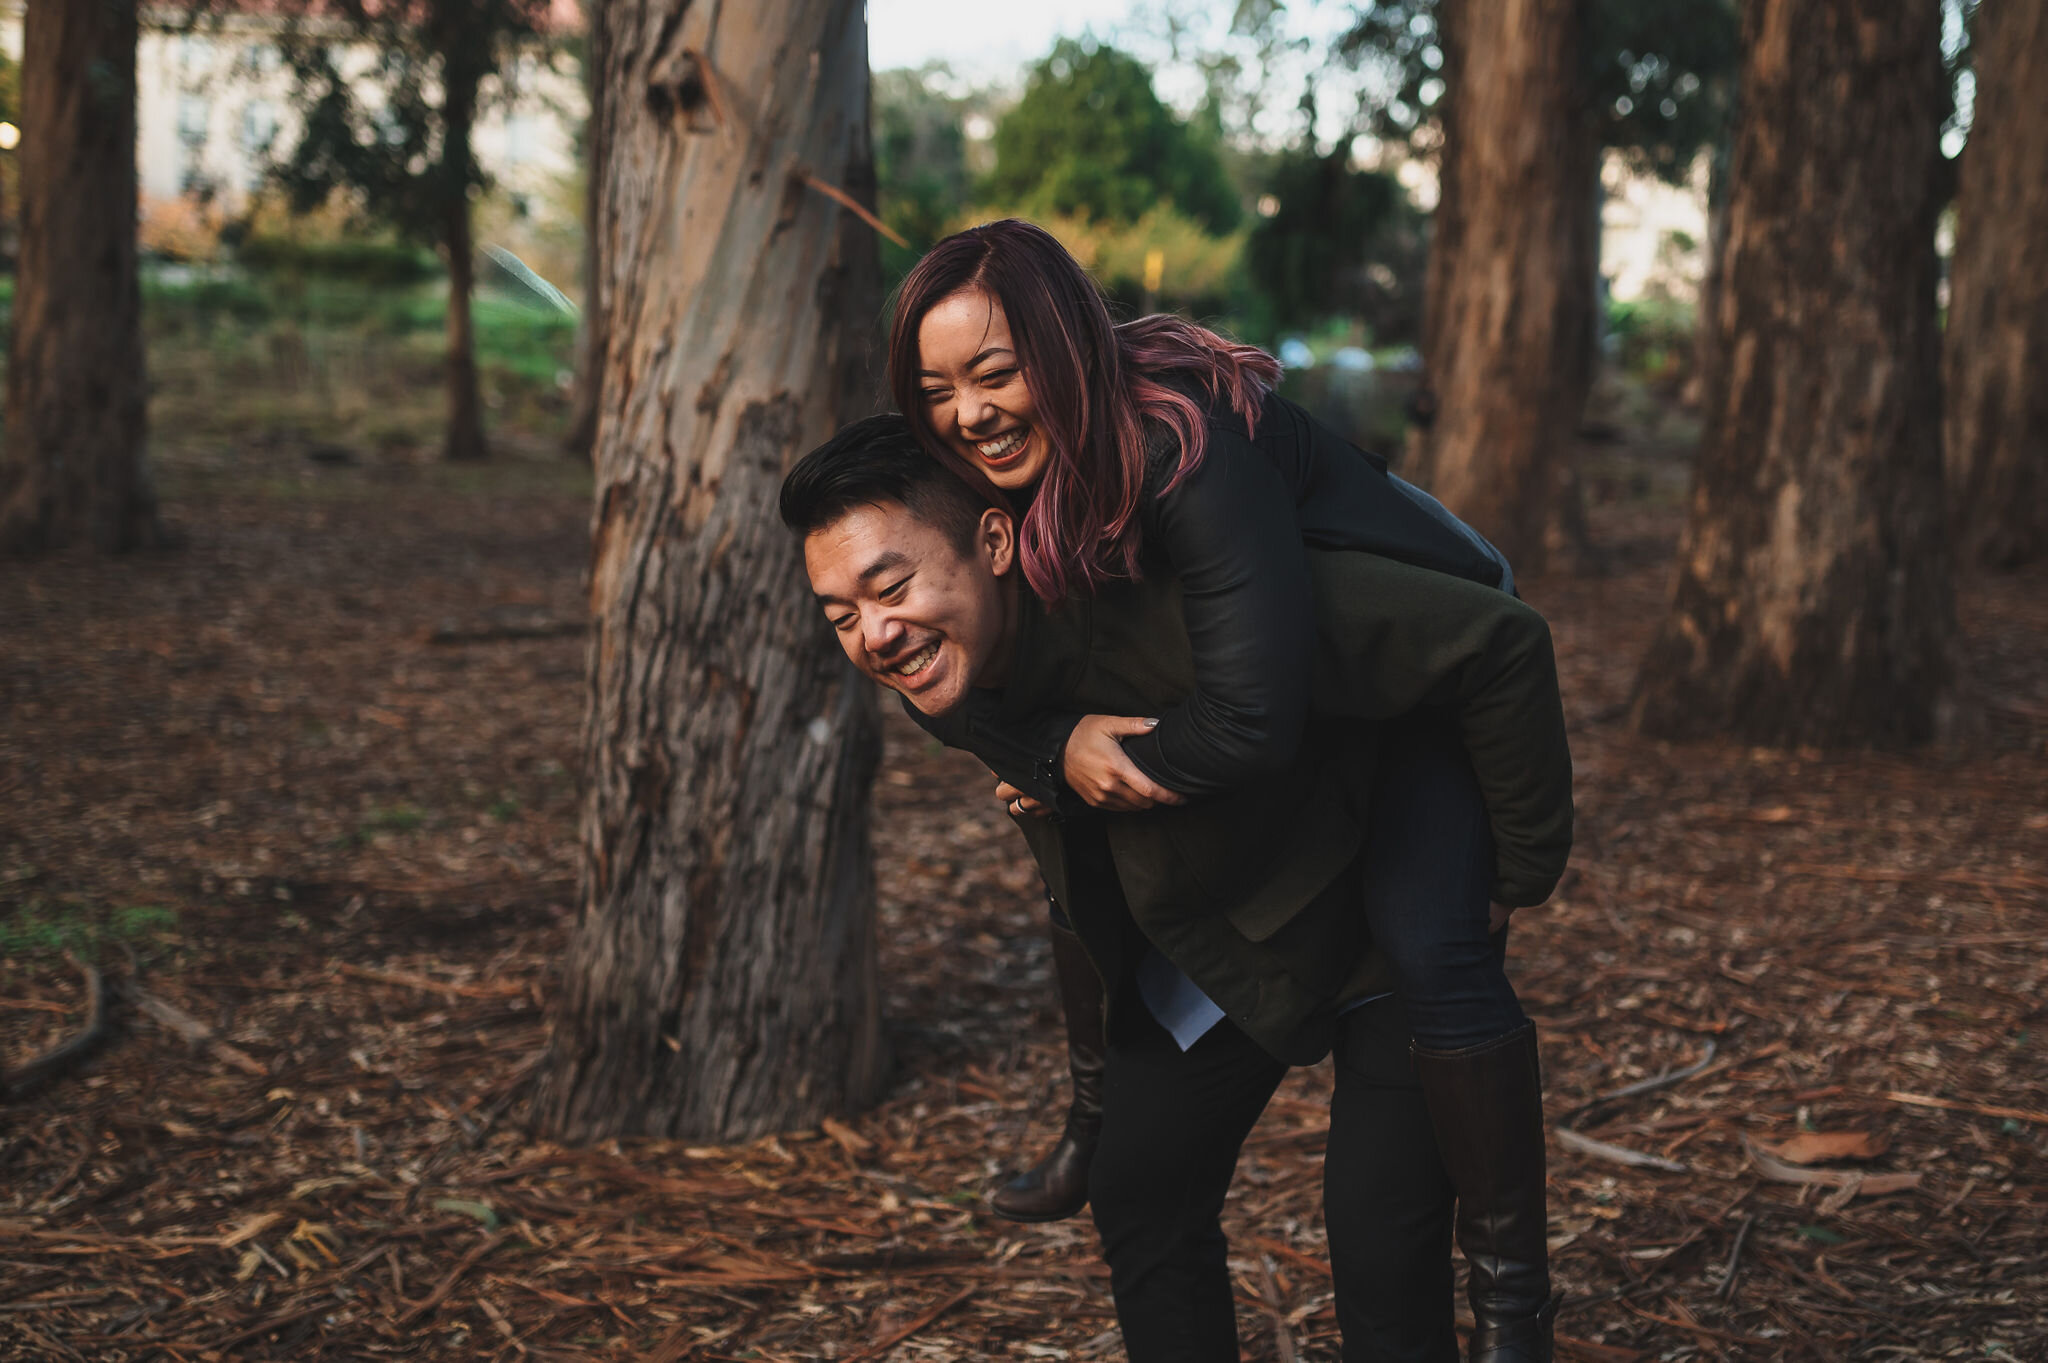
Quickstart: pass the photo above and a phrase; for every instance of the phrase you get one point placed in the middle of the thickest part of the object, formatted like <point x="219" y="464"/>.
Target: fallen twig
<point x="1582" y="1144"/>
<point x="1651" y="1085"/>
<point x="1728" y="1274"/>
<point x="193" y="1030"/>
<point x="895" y="1337"/>
<point x="1868" y="1185"/>
<point x="447" y="1284"/>
<point x="1269" y="1291"/>
<point x="69" y="1053"/>
<point x="2017" y="1114"/>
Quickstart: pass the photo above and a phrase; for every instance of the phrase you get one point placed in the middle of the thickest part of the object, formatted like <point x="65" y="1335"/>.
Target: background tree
<point x="405" y="152"/>
<point x="721" y="981"/>
<point x="1812" y="601"/>
<point x="1091" y="137"/>
<point x="922" y="176"/>
<point x="73" y="466"/>
<point x="1996" y="350"/>
<point x="1510" y="336"/>
<point x="593" y="329"/>
<point x="1313" y="257"/>
<point x="1651" y="82"/>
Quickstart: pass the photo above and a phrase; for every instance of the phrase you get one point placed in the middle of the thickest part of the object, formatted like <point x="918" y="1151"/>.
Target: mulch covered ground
<point x="305" y="790"/>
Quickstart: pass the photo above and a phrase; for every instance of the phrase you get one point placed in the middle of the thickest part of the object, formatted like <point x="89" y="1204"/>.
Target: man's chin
<point x="934" y="702"/>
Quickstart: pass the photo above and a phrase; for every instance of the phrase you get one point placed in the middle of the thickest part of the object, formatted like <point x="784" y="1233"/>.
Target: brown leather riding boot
<point x="1486" y="1102"/>
<point x="1057" y="1186"/>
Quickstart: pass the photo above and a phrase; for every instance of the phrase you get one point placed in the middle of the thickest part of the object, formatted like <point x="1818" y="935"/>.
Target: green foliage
<point x="1201" y="273"/>
<point x="1652" y="337"/>
<point x="50" y="927"/>
<point x="369" y="260"/>
<point x="921" y="174"/>
<point x="1090" y="137"/>
<point x="1659" y="77"/>
<point x="1311" y="258"/>
<point x="394" y="138"/>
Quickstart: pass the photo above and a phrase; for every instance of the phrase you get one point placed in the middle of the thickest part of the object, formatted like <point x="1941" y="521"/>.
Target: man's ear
<point x="996" y="538"/>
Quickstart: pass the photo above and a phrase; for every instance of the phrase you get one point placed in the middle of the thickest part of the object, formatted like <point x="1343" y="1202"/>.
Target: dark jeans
<point x="1172" y="1126"/>
<point x="1428" y="866"/>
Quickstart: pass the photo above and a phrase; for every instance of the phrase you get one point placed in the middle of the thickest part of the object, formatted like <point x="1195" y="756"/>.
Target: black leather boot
<point x="1057" y="1187"/>
<point x="1486" y="1103"/>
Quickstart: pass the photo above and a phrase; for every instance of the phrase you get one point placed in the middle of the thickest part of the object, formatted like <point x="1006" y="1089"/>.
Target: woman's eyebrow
<point x="992" y="350"/>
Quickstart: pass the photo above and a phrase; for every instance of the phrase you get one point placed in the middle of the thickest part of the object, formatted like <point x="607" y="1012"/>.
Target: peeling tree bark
<point x="1996" y="357"/>
<point x="1812" y="601"/>
<point x="721" y="979"/>
<point x="73" y="469"/>
<point x="1509" y="332"/>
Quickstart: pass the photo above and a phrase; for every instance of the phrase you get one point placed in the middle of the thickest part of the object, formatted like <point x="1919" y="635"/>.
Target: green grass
<point x="250" y="370"/>
<point x="50" y="927"/>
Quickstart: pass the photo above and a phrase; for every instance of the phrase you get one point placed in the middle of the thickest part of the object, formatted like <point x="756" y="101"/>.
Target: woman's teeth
<point x="919" y="661"/>
<point x="1001" y="445"/>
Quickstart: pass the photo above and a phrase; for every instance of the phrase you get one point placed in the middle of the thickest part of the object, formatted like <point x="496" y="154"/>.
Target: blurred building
<point x="214" y="104"/>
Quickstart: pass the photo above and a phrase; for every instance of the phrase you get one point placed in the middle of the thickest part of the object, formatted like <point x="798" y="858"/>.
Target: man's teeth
<point x="918" y="662"/>
<point x="997" y="448"/>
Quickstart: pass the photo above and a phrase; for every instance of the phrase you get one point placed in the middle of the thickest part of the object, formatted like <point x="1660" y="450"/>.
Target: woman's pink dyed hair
<point x="1093" y="383"/>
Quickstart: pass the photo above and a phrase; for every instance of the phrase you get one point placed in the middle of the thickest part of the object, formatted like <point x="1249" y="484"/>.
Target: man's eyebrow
<point x="887" y="561"/>
<point x="992" y="350"/>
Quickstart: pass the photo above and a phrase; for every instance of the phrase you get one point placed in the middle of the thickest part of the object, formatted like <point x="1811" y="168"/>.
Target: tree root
<point x="68" y="1054"/>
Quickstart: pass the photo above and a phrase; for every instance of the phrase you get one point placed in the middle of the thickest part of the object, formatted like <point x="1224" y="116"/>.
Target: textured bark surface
<point x="1996" y="357"/>
<point x="73" y="466"/>
<point x="1812" y="600"/>
<point x="1509" y="333"/>
<point x="463" y="72"/>
<point x="593" y="326"/>
<point x="721" y="978"/>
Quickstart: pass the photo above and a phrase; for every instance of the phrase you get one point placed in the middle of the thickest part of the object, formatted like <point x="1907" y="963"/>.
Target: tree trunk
<point x="460" y="76"/>
<point x="593" y="326"/>
<point x="1812" y="601"/>
<point x="1510" y="330"/>
<point x="721" y="980"/>
<point x="1997" y="344"/>
<point x="73" y="468"/>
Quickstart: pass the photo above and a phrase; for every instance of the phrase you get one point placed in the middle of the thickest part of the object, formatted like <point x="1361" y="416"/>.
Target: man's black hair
<point x="871" y="462"/>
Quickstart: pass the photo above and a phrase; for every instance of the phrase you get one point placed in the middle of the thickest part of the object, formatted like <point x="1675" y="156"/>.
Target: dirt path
<point x="348" y="850"/>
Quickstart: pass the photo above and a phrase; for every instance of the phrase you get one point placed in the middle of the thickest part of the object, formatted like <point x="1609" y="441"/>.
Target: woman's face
<point x="974" y="392"/>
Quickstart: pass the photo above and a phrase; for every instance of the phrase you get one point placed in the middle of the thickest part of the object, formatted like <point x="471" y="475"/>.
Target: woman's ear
<point x="997" y="538"/>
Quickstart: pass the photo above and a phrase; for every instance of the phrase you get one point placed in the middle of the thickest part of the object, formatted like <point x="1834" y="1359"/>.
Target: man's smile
<point x="916" y="662"/>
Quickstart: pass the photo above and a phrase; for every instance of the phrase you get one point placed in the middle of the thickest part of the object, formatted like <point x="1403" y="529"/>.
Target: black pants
<point x="1426" y="869"/>
<point x="1172" y="1126"/>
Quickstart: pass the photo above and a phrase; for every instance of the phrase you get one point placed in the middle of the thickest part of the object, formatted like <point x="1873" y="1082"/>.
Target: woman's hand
<point x="1098" y="770"/>
<point x="1015" y="801"/>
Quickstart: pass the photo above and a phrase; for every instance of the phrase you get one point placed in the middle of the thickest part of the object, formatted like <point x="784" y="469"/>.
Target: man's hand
<point x="1497" y="916"/>
<point x="1098" y="770"/>
<point x="1017" y="802"/>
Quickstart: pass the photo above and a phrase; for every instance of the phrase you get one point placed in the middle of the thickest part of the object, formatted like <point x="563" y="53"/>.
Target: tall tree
<point x="1509" y="335"/>
<point x="1812" y="600"/>
<point x="1997" y="343"/>
<point x="1090" y="136"/>
<point x="594" y="325"/>
<point x="721" y="980"/>
<point x="73" y="466"/>
<point x="397" y="137"/>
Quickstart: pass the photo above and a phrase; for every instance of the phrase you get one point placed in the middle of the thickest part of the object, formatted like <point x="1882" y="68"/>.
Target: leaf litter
<point x="357" y="846"/>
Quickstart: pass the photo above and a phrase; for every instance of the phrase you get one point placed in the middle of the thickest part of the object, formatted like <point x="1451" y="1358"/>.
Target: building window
<point x="194" y="113"/>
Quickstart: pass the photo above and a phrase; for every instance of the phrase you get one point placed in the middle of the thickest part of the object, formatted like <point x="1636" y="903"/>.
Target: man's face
<point x="910" y="608"/>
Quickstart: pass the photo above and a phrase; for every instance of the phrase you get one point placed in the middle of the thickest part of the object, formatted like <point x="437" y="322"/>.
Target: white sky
<point x="978" y="38"/>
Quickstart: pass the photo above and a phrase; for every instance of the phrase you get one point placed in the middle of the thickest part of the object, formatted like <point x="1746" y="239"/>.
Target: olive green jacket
<point x="1251" y="893"/>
